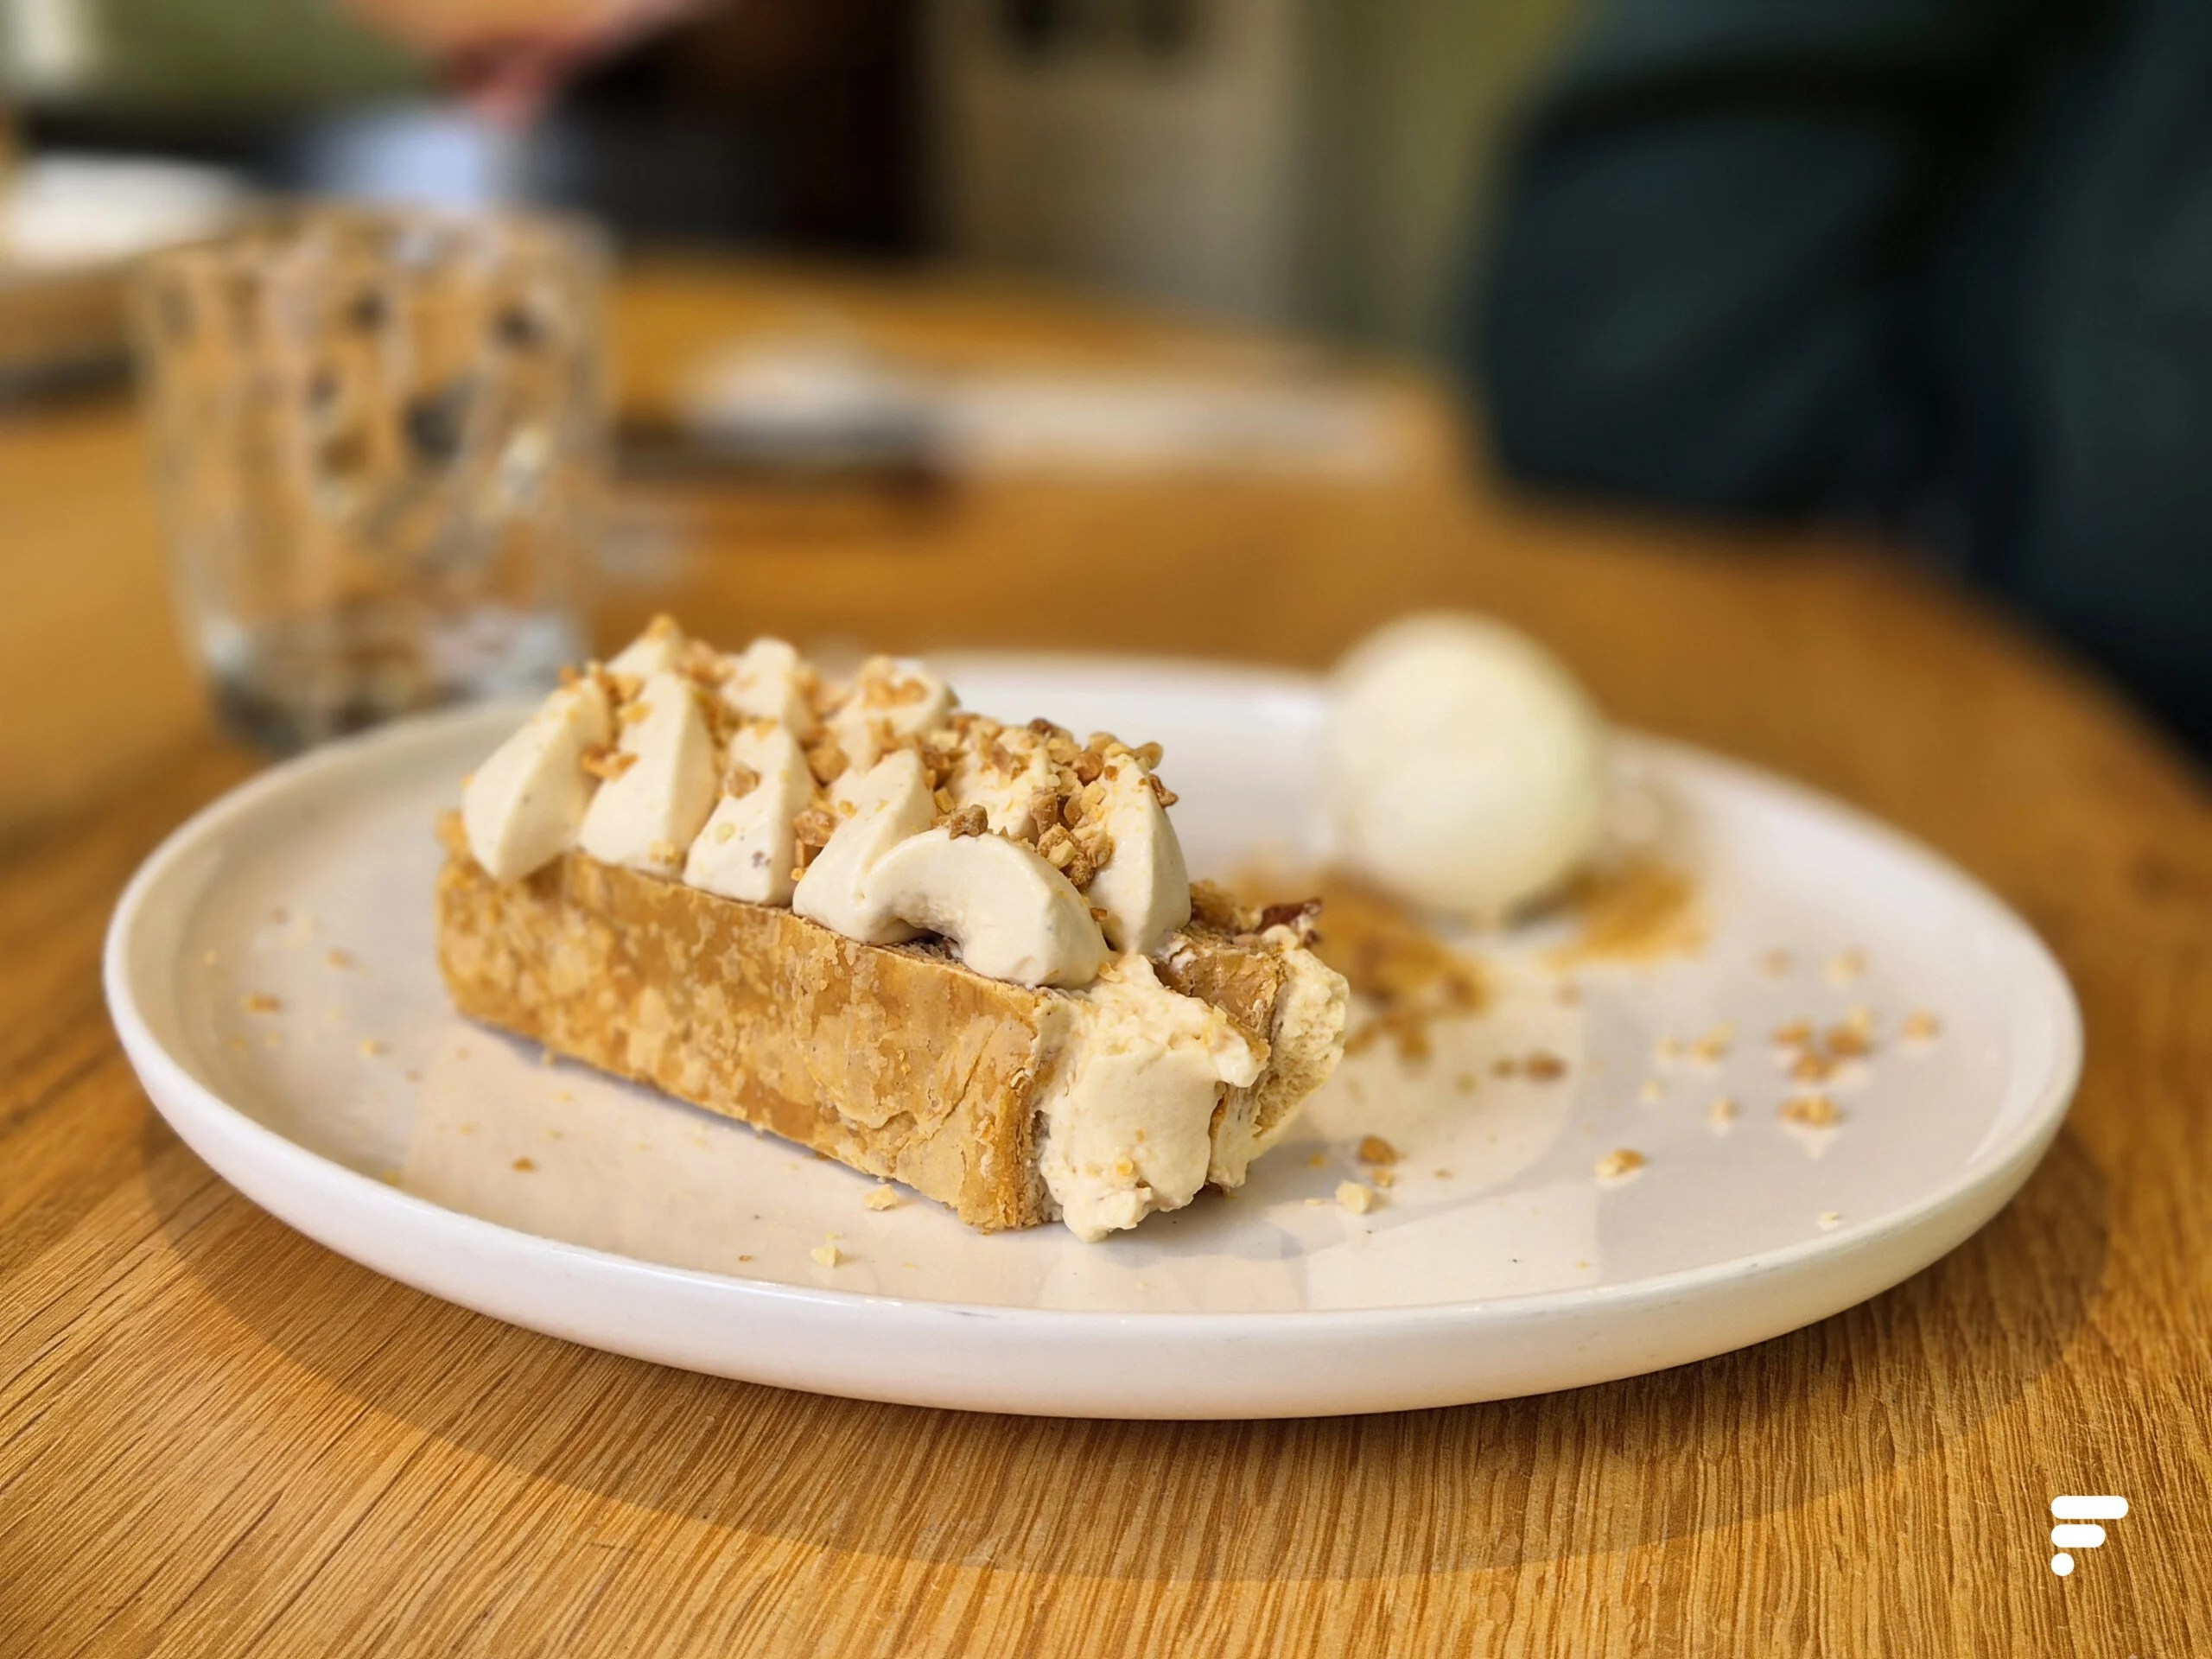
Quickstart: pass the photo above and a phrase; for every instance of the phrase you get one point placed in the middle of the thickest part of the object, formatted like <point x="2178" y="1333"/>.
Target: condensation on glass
<point x="380" y="442"/>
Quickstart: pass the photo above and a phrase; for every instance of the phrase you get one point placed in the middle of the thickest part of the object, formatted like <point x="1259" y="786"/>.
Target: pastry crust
<point x="894" y="1059"/>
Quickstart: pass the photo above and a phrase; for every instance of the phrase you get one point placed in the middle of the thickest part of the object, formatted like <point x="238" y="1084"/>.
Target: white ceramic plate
<point x="366" y="1114"/>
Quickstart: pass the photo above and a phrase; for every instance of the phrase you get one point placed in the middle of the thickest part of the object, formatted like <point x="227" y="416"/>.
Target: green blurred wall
<point x="216" y="56"/>
<point x="1411" y="99"/>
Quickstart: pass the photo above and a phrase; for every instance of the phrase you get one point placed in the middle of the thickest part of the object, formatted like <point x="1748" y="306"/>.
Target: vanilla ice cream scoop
<point x="1466" y="766"/>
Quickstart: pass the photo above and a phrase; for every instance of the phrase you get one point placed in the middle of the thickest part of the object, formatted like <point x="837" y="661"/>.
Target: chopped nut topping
<point x="663" y="852"/>
<point x="1796" y="1035"/>
<point x="881" y="1197"/>
<point x="1812" y="1068"/>
<point x="525" y="1165"/>
<point x="631" y="713"/>
<point x="1150" y="755"/>
<point x="1544" y="1066"/>
<point x="1620" y="1164"/>
<point x="814" y="827"/>
<point x="606" y="763"/>
<point x="260" y="1002"/>
<point x="967" y="820"/>
<point x="1351" y="1195"/>
<point x="1165" y="796"/>
<point x="1811" y="1112"/>
<point x="742" y="781"/>
<point x="1374" y="1149"/>
<point x="828" y="1255"/>
<point x="826" y="761"/>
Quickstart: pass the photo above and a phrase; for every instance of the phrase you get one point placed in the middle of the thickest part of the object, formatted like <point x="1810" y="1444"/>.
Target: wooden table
<point x="216" y="1437"/>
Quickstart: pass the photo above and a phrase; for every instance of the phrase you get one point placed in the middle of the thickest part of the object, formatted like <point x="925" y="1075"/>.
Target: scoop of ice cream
<point x="1465" y="765"/>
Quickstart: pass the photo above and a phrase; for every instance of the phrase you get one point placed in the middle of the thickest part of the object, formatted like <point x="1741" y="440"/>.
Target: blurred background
<point x="1296" y="161"/>
<point x="1295" y="312"/>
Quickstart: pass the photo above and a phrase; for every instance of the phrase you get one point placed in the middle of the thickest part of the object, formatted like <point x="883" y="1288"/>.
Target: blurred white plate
<point x="364" y="1113"/>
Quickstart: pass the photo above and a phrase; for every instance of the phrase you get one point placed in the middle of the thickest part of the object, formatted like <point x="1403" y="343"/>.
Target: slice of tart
<point x="942" y="950"/>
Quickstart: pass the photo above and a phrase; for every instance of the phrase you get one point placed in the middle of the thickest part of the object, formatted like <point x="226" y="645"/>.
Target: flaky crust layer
<point x="893" y="1059"/>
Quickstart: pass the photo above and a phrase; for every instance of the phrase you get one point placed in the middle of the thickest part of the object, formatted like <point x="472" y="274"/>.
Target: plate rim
<point x="2004" y="1166"/>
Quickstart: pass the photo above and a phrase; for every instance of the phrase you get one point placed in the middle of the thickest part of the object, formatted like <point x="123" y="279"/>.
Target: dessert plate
<point x="1634" y="1199"/>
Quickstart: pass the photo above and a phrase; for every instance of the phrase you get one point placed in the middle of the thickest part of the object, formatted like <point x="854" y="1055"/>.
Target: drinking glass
<point x="379" y="438"/>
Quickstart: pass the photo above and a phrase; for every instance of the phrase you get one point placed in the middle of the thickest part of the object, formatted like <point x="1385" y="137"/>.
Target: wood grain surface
<point x="217" y="1438"/>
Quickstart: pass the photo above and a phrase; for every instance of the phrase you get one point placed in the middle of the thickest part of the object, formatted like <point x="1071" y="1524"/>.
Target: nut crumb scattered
<point x="1352" y="1196"/>
<point x="1810" y="1067"/>
<point x="1811" y="1112"/>
<point x="1442" y="1174"/>
<point x="1318" y="1160"/>
<point x="885" y="1197"/>
<point x="1796" y="1035"/>
<point x="1846" y="966"/>
<point x="339" y="958"/>
<point x="828" y="1255"/>
<point x="1920" y="1027"/>
<point x="525" y="1165"/>
<point x="1848" y="1041"/>
<point x="662" y="851"/>
<point x="1544" y="1066"/>
<point x="1375" y="1150"/>
<point x="371" y="1048"/>
<point x="1621" y="1164"/>
<point x="1383" y="1178"/>
<point x="260" y="1002"/>
<point x="745" y="1258"/>
<point x="1830" y="1219"/>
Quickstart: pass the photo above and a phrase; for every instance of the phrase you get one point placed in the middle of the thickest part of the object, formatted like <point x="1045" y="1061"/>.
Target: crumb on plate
<point x="1621" y="1164"/>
